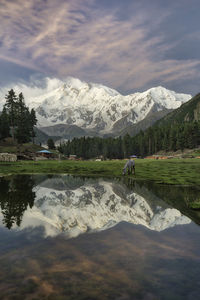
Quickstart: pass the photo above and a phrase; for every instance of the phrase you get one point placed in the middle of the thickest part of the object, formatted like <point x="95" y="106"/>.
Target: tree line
<point x="16" y="120"/>
<point x="168" y="137"/>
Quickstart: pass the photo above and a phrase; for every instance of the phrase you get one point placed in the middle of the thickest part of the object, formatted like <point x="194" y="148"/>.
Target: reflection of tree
<point x="178" y="197"/>
<point x="15" y="197"/>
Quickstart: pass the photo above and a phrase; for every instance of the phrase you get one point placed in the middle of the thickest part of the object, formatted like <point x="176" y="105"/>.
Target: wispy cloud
<point x="75" y="38"/>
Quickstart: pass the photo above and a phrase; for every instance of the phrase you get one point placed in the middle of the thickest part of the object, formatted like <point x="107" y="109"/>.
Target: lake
<point x="70" y="237"/>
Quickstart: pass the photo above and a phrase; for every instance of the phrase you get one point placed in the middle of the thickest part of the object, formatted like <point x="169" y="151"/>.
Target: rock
<point x="8" y="157"/>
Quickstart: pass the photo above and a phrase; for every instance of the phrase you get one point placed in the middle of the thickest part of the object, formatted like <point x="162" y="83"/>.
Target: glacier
<point x="93" y="106"/>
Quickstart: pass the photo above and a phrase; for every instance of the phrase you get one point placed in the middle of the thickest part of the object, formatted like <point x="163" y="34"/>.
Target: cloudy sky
<point x="129" y="45"/>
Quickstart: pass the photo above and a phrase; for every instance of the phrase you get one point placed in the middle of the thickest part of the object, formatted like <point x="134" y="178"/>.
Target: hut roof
<point x="45" y="151"/>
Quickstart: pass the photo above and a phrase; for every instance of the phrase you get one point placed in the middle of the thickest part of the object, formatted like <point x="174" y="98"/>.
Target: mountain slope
<point x="178" y="130"/>
<point x="150" y="119"/>
<point x="66" y="131"/>
<point x="42" y="137"/>
<point x="96" y="109"/>
<point x="187" y="112"/>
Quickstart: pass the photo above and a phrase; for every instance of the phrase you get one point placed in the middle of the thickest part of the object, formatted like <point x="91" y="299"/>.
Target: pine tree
<point x="50" y="144"/>
<point x="119" y="148"/>
<point x="22" y="121"/>
<point x="150" y="140"/>
<point x="126" y="145"/>
<point x="10" y="105"/>
<point x="180" y="138"/>
<point x="4" y="124"/>
<point x="33" y="122"/>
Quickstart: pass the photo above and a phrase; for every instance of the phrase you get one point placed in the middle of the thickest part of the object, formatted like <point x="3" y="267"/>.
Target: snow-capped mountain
<point x="73" y="207"/>
<point x="94" y="107"/>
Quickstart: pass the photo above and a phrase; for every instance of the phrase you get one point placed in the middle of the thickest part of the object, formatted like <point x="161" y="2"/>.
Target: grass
<point x="9" y="146"/>
<point x="194" y="204"/>
<point x="173" y="171"/>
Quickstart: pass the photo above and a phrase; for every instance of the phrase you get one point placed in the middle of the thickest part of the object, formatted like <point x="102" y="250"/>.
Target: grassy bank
<point x="8" y="146"/>
<point x="174" y="171"/>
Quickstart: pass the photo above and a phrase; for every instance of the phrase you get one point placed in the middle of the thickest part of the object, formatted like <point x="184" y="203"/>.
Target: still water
<point x="65" y="237"/>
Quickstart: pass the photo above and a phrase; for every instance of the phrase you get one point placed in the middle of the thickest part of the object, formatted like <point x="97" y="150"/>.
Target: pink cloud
<point x="73" y="38"/>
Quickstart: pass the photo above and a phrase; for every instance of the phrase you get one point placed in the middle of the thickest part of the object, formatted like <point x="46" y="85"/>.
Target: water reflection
<point x="180" y="197"/>
<point x="76" y="205"/>
<point x="125" y="262"/>
<point x="15" y="197"/>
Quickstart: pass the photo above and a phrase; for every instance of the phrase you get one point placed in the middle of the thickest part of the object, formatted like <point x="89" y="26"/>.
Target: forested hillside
<point x="178" y="130"/>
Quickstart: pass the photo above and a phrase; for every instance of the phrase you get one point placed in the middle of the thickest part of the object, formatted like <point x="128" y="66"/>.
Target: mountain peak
<point x="95" y="107"/>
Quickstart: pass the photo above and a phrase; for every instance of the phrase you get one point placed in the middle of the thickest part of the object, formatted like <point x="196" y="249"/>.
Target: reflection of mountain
<point x="74" y="205"/>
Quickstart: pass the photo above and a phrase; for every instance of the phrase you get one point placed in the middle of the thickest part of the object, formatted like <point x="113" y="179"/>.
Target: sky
<point x="128" y="45"/>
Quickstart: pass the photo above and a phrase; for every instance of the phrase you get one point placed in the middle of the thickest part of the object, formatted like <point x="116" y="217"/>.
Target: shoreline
<point x="183" y="172"/>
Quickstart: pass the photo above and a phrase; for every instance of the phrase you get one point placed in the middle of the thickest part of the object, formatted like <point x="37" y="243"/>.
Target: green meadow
<point x="172" y="171"/>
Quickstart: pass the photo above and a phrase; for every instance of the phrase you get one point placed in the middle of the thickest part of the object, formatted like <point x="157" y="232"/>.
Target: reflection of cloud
<point x="69" y="38"/>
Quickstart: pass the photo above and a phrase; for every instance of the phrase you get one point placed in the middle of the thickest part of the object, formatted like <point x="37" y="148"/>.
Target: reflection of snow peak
<point x="95" y="207"/>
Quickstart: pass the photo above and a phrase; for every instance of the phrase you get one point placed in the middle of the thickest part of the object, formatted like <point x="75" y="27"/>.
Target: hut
<point x="45" y="153"/>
